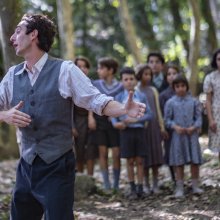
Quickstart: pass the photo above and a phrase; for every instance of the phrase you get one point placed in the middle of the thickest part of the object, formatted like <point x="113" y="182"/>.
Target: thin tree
<point x="10" y="12"/>
<point x="207" y="14"/>
<point x="178" y="23"/>
<point x="66" y="30"/>
<point x="194" y="45"/>
<point x="129" y="30"/>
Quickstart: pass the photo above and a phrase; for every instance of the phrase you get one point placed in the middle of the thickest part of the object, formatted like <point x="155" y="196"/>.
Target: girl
<point x="154" y="148"/>
<point x="212" y="89"/>
<point x="183" y="116"/>
<point x="172" y="71"/>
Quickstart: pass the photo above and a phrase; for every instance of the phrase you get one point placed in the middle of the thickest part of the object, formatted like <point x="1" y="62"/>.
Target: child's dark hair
<point x="172" y="66"/>
<point x="180" y="79"/>
<point x="84" y="59"/>
<point x="156" y="54"/>
<point x="109" y="62"/>
<point x="126" y="70"/>
<point x="213" y="62"/>
<point x="139" y="70"/>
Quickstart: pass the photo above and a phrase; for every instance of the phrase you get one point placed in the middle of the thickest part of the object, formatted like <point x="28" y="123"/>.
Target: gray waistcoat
<point x="49" y="134"/>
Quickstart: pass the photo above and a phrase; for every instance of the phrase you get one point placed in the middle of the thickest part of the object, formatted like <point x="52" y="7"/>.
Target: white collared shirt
<point x="72" y="83"/>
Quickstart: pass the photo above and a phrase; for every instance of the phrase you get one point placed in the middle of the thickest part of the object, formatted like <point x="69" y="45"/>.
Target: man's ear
<point x="34" y="34"/>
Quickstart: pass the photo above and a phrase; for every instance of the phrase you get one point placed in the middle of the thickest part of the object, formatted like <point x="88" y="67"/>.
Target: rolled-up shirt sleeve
<point x="75" y="84"/>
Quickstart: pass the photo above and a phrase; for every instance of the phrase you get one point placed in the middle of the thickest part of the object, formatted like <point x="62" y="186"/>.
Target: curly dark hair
<point x="45" y="27"/>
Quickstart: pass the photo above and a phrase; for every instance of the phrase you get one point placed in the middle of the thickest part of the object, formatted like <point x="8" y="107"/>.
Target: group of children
<point x="167" y="133"/>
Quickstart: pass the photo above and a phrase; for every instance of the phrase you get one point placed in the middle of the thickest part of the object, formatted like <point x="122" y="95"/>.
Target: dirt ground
<point x="103" y="206"/>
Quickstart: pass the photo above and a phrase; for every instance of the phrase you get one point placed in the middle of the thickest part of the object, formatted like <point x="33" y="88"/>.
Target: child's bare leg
<point x="116" y="167"/>
<point x="140" y="176"/>
<point x="140" y="169"/>
<point x="90" y="166"/>
<point x="147" y="183"/>
<point x="130" y="170"/>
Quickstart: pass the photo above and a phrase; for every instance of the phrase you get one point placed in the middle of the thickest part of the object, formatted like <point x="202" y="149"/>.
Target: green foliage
<point x="4" y="207"/>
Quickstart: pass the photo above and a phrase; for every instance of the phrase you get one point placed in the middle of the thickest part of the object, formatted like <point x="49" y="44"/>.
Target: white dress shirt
<point x="72" y="83"/>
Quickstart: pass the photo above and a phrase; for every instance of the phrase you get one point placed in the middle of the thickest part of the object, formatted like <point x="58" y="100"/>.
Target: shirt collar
<point x="37" y="66"/>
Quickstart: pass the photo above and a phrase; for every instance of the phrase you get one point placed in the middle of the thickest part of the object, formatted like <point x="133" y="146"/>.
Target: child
<point x="132" y="135"/>
<point x="107" y="136"/>
<point x="85" y="150"/>
<point x="155" y="153"/>
<point x="172" y="71"/>
<point x="155" y="61"/>
<point x="212" y="89"/>
<point x="183" y="116"/>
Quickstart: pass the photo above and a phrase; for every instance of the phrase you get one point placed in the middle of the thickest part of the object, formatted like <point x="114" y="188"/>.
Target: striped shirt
<point x="72" y="84"/>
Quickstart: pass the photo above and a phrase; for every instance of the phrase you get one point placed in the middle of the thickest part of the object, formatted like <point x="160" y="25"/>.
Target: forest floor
<point x="101" y="206"/>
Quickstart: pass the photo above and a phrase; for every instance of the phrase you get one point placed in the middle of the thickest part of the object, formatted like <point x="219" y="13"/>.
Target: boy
<point x="107" y="136"/>
<point x="132" y="137"/>
<point x="156" y="62"/>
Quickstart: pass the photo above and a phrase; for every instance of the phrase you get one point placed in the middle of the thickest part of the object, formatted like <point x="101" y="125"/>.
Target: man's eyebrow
<point x="18" y="26"/>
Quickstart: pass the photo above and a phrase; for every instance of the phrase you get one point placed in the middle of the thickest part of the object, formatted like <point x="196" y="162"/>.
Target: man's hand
<point x="16" y="117"/>
<point x="134" y="109"/>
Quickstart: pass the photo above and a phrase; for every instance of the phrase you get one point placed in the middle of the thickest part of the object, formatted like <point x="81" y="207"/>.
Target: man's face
<point x="128" y="81"/>
<point x="20" y="40"/>
<point x="155" y="64"/>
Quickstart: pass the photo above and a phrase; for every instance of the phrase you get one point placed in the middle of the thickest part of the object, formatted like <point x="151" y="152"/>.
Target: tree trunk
<point x="146" y="32"/>
<point x="212" y="39"/>
<point x="178" y="24"/>
<point x="194" y="45"/>
<point x="65" y="26"/>
<point x="129" y="30"/>
<point x="10" y="13"/>
<point x="9" y="17"/>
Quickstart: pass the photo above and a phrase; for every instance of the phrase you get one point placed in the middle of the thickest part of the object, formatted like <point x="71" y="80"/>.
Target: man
<point x="37" y="96"/>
